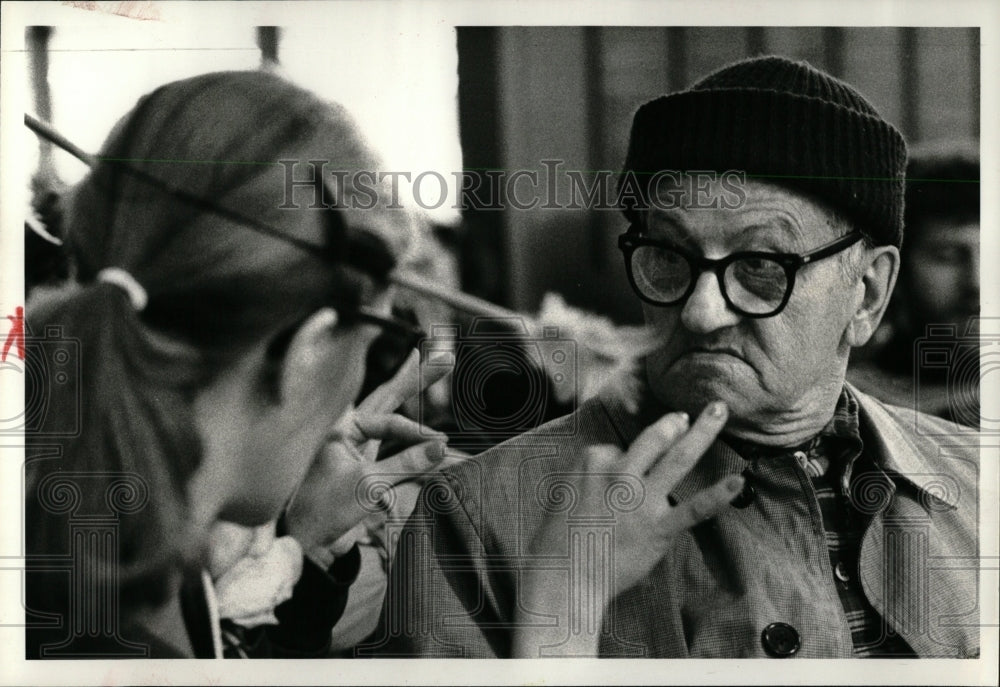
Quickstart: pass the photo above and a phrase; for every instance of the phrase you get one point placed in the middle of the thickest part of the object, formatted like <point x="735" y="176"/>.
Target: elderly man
<point x="851" y="532"/>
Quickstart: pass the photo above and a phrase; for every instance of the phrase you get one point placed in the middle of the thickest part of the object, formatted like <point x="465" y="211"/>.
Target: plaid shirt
<point x="724" y="585"/>
<point x="833" y="460"/>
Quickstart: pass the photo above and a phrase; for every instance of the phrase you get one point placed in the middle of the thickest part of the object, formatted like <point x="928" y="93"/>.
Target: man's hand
<point x="344" y="485"/>
<point x="658" y="459"/>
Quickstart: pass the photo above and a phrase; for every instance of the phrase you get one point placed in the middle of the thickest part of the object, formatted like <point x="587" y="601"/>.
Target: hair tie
<point x="127" y="283"/>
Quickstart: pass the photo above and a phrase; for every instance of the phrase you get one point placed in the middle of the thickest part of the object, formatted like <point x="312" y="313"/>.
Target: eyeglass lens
<point x="755" y="285"/>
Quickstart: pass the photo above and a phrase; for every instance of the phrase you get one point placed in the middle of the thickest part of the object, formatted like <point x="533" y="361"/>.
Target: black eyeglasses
<point x="753" y="283"/>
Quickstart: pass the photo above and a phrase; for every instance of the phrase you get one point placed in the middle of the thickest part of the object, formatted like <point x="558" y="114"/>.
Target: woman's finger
<point x="341" y="449"/>
<point x="411" y="379"/>
<point x="703" y="505"/>
<point x="388" y="396"/>
<point x="689" y="448"/>
<point x="346" y="541"/>
<point x="450" y="460"/>
<point x="396" y="427"/>
<point x="410" y="463"/>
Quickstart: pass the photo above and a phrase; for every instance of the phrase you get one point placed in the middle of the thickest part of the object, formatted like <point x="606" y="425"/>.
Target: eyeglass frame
<point x="791" y="262"/>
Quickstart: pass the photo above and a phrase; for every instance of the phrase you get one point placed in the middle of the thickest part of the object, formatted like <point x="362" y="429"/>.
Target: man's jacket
<point x="455" y="581"/>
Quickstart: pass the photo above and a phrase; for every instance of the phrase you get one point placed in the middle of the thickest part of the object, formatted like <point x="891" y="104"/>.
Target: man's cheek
<point x="777" y="348"/>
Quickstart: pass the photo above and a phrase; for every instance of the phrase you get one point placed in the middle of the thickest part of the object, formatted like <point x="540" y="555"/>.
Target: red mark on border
<point x="16" y="335"/>
<point x="131" y="9"/>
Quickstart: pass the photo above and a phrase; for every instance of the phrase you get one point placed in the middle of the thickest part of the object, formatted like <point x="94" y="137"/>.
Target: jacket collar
<point x="901" y="449"/>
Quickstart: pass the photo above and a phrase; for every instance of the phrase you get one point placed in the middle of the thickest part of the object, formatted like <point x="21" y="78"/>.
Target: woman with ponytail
<point x="220" y="317"/>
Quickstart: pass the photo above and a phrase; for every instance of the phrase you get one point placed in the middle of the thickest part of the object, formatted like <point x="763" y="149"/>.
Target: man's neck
<point x="788" y="428"/>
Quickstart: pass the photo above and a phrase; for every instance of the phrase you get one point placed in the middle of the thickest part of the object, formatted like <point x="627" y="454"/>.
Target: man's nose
<point x="706" y="309"/>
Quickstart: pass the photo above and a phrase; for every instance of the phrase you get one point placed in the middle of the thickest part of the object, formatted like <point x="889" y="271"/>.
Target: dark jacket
<point x="454" y="585"/>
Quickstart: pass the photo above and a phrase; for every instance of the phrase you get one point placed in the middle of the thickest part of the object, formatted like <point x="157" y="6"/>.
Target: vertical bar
<point x="756" y="41"/>
<point x="483" y="260"/>
<point x="975" y="79"/>
<point x="833" y="50"/>
<point x="38" y="38"/>
<point x="910" y="94"/>
<point x="267" y="41"/>
<point x="677" y="57"/>
<point x="596" y="131"/>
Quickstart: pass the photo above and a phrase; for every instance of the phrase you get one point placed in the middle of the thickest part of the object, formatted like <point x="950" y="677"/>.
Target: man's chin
<point x="691" y="387"/>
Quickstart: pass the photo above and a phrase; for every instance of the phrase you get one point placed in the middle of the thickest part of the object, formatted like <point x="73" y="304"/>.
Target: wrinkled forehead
<point x="729" y="204"/>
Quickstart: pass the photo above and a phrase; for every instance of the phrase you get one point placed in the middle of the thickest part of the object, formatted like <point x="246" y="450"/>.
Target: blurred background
<point x="569" y="93"/>
<point x="434" y="97"/>
<point x="482" y="100"/>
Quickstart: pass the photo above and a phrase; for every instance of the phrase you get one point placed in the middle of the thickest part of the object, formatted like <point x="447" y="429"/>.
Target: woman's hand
<point x="344" y="485"/>
<point x="657" y="459"/>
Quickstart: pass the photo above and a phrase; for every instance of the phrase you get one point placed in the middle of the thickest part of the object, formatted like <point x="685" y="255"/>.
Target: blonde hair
<point x="215" y="286"/>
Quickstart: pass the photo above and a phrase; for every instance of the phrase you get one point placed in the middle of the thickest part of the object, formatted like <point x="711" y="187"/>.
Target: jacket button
<point x="780" y="640"/>
<point x="745" y="497"/>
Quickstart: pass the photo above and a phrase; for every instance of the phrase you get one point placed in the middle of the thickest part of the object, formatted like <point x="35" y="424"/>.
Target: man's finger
<point x="705" y="504"/>
<point x="601" y="458"/>
<point x="689" y="447"/>
<point x="411" y="463"/>
<point x="655" y="440"/>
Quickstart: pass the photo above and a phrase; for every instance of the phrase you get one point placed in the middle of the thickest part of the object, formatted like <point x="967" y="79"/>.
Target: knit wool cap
<point x="782" y="122"/>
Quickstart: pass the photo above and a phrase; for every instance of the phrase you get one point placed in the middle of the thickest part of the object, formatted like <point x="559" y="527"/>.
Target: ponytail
<point x="136" y="445"/>
<point x="216" y="286"/>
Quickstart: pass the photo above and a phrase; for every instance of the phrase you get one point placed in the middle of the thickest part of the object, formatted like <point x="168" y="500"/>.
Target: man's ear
<point x="881" y="267"/>
<point x="307" y="357"/>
